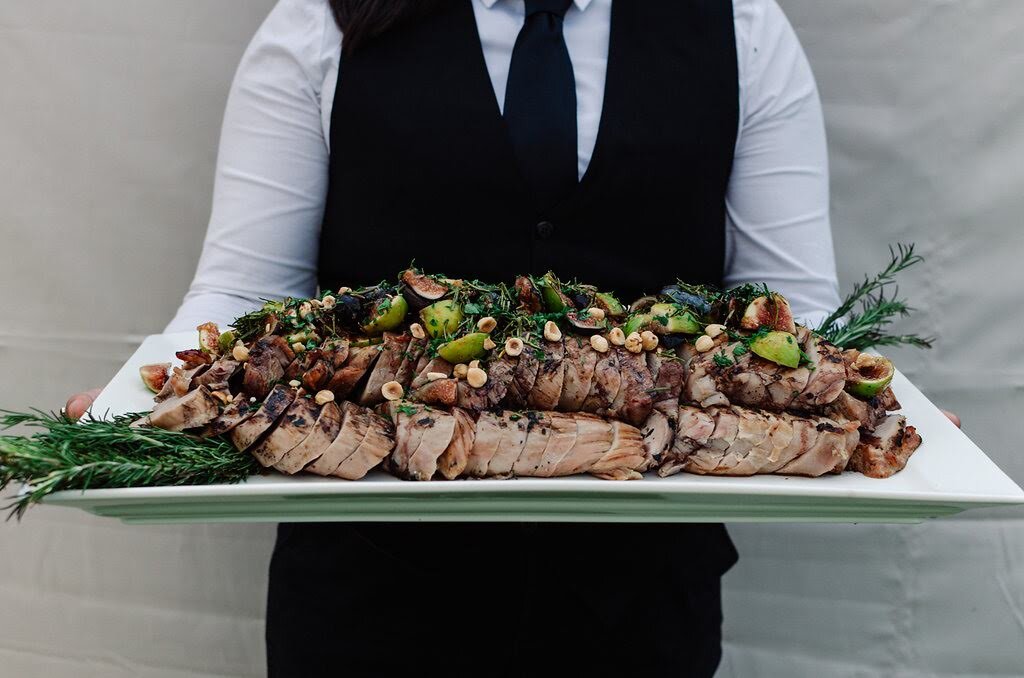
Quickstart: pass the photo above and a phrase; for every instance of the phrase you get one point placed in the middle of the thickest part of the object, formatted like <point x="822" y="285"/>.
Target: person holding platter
<point x="621" y="143"/>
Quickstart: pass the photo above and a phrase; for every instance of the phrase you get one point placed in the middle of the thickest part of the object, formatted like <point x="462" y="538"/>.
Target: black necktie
<point x="540" y="103"/>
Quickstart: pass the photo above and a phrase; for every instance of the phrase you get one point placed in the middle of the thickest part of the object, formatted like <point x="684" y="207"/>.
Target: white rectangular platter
<point x="946" y="475"/>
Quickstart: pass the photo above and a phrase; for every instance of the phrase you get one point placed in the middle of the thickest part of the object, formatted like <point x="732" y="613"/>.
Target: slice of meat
<point x="386" y="369"/>
<point x="561" y="440"/>
<point x="513" y="440"/>
<point x="268" y="358"/>
<point x="454" y="459"/>
<point x="178" y="413"/>
<point x="438" y="365"/>
<point x="832" y="448"/>
<point x="437" y="430"/>
<point x="594" y="438"/>
<point x="325" y="430"/>
<point x="443" y="392"/>
<point x="605" y="385"/>
<point x="658" y="434"/>
<point x="633" y="402"/>
<point x="354" y="425"/>
<point x="867" y="413"/>
<point x="828" y="376"/>
<point x="580" y="360"/>
<point x="375" y="447"/>
<point x="705" y="459"/>
<point x="523" y="377"/>
<point x="237" y="411"/>
<point x="547" y="388"/>
<point x="803" y="438"/>
<point x="180" y="382"/>
<point x="752" y="445"/>
<point x="887" y="450"/>
<point x="626" y="456"/>
<point x="318" y="375"/>
<point x="410" y="358"/>
<point x="291" y="429"/>
<point x="784" y="384"/>
<point x="538" y="429"/>
<point x="248" y="432"/>
<point x="216" y="377"/>
<point x="347" y="377"/>
<point x="499" y="376"/>
<point x="302" y="362"/>
<point x="489" y="429"/>
<point x="669" y="373"/>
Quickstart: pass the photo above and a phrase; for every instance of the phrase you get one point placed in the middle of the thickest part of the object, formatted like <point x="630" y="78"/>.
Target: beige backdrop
<point x="109" y="117"/>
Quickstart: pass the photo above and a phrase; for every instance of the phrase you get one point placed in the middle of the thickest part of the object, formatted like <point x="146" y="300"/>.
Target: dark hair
<point x="363" y="20"/>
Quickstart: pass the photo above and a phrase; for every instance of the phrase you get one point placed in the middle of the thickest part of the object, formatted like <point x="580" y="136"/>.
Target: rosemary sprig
<point x="879" y="306"/>
<point x="96" y="453"/>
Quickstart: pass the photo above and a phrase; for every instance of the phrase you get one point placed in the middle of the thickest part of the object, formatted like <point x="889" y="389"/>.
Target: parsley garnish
<point x="722" y="360"/>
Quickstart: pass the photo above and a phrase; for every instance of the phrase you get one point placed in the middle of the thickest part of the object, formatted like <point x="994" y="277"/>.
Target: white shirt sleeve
<point x="777" y="205"/>
<point x="271" y="174"/>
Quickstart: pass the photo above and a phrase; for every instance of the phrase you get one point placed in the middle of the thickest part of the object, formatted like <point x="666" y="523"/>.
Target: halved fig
<point x="386" y="314"/>
<point x="674" y="319"/>
<point x="442" y="318"/>
<point x="612" y="306"/>
<point x="868" y="375"/>
<point x="421" y="290"/>
<point x="551" y="290"/>
<point x="643" y="304"/>
<point x="528" y="295"/>
<point x="779" y="347"/>
<point x="772" y="312"/>
<point x="155" y="376"/>
<point x="464" y="349"/>
<point x="209" y="338"/>
<point x="586" y="324"/>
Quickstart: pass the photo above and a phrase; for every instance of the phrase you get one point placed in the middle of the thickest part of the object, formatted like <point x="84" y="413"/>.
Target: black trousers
<point x="495" y="599"/>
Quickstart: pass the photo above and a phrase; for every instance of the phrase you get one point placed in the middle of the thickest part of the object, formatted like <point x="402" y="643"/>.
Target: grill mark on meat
<point x="237" y="411"/>
<point x="669" y="374"/>
<point x="268" y="358"/>
<point x="325" y="430"/>
<point x="354" y="425"/>
<point x="828" y="378"/>
<point x="499" y="378"/>
<point x="523" y="378"/>
<point x="658" y="434"/>
<point x="292" y="428"/>
<point x="437" y="429"/>
<point x="633" y="402"/>
<point x="538" y="429"/>
<point x="831" y="450"/>
<point x="605" y="385"/>
<point x="247" y="432"/>
<point x="410" y="358"/>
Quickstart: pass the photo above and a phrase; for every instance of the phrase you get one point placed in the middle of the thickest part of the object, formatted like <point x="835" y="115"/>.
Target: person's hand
<point x="952" y="417"/>
<point x="80" y="402"/>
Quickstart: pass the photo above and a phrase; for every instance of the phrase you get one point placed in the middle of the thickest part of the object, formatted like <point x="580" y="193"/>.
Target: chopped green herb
<point x="722" y="360"/>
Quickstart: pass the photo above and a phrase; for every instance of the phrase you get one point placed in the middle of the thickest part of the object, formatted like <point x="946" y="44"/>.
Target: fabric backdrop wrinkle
<point x="109" y="117"/>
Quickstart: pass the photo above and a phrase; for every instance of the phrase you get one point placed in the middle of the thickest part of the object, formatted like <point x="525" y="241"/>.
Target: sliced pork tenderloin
<point x="392" y="356"/>
<point x="347" y="376"/>
<point x="179" y="413"/>
<point x="355" y="423"/>
<point x="291" y="429"/>
<point x="249" y="431"/>
<point x="579" y="363"/>
<point x="376" y="445"/>
<point x="547" y="388"/>
<point x="455" y="458"/>
<point x="325" y="430"/>
<point x="887" y="449"/>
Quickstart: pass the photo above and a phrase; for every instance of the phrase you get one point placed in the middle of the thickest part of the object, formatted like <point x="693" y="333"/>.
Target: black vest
<point x="422" y="169"/>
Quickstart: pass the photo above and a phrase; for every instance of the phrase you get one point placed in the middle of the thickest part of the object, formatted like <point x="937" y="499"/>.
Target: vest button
<point x="545" y="229"/>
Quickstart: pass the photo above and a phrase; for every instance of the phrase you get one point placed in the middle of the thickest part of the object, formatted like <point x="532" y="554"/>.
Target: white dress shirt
<point x="272" y="166"/>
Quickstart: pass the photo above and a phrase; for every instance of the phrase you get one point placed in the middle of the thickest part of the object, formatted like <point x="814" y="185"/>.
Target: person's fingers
<point x="80" y="402"/>
<point x="952" y="417"/>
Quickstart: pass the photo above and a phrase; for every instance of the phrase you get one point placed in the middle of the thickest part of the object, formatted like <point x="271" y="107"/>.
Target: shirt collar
<point x="581" y="5"/>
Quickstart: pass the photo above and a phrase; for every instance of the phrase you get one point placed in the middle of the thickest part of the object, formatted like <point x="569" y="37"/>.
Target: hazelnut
<point x="599" y="343"/>
<point x="329" y="302"/>
<point x="634" y="344"/>
<point x="295" y="383"/>
<point x="489" y="344"/>
<point x="650" y="340"/>
<point x="474" y="363"/>
<point x="513" y="346"/>
<point x="344" y="290"/>
<point x="617" y="336"/>
<point x="392" y="391"/>
<point x="434" y="376"/>
<point x="551" y="331"/>
<point x="324" y="397"/>
<point x="486" y="324"/>
<point x="240" y="353"/>
<point x="460" y="370"/>
<point x="305" y="308"/>
<point x="704" y="343"/>
<point x="417" y="331"/>
<point x="476" y="377"/>
<point x="298" y="347"/>
<point x="595" y="313"/>
<point x="714" y="330"/>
